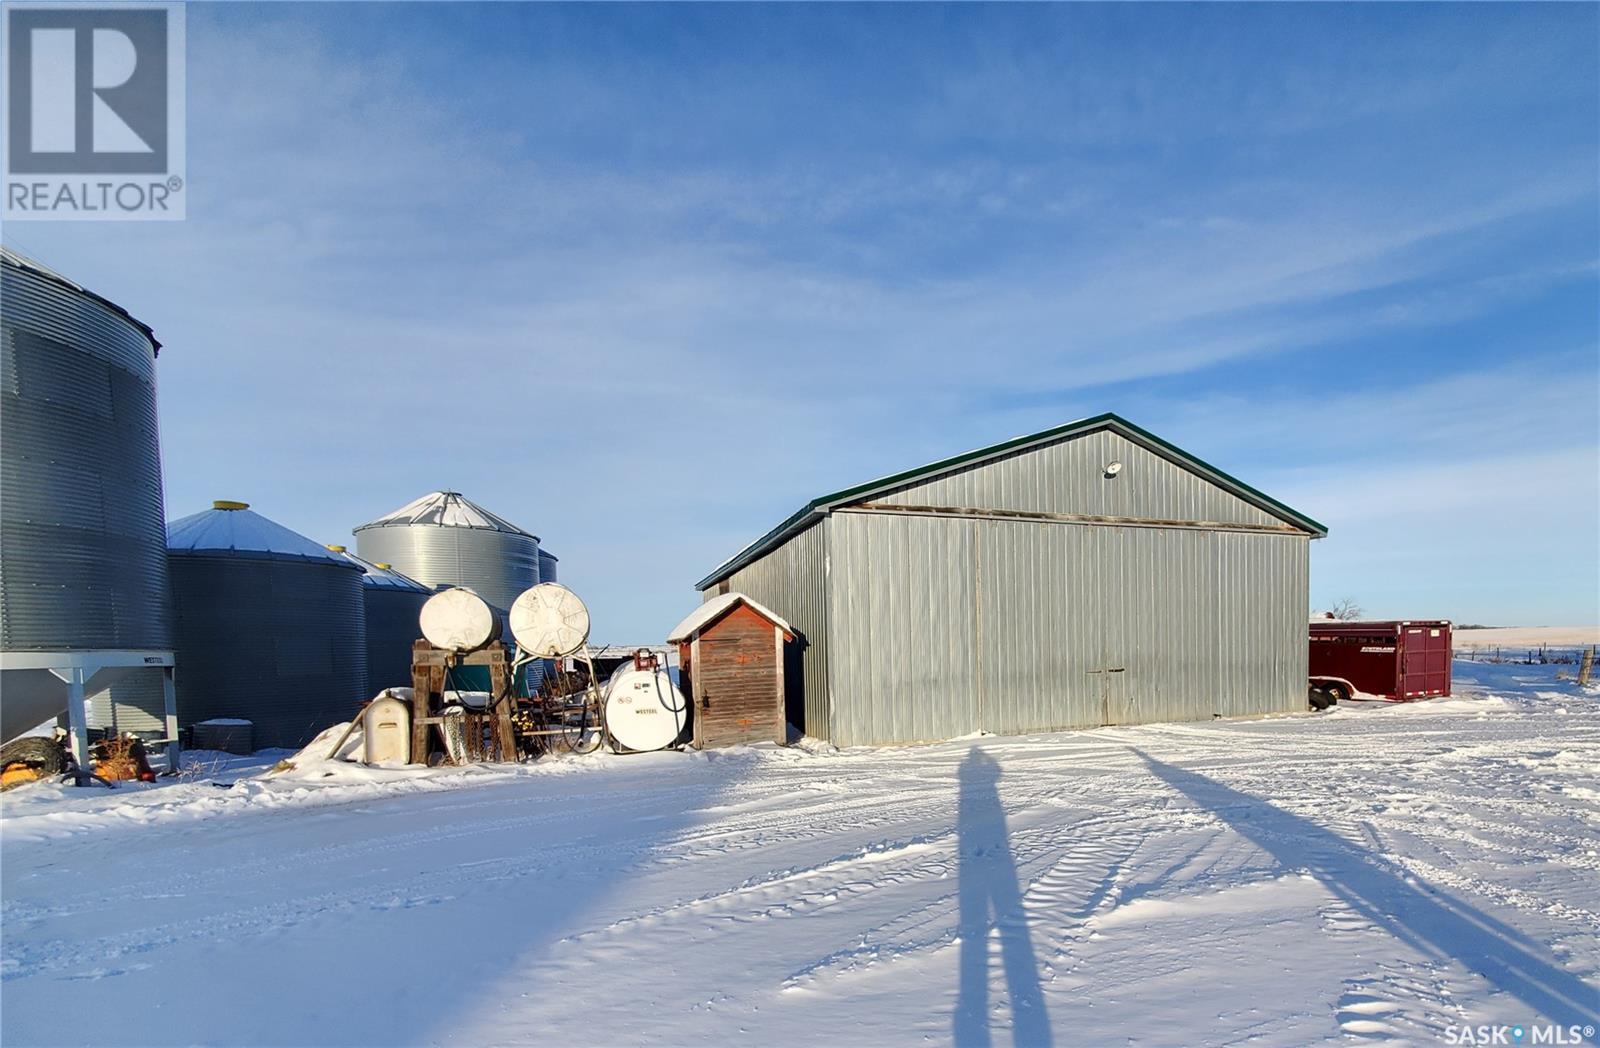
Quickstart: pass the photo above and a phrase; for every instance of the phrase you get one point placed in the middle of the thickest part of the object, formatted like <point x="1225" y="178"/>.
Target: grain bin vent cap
<point x="448" y="509"/>
<point x="233" y="529"/>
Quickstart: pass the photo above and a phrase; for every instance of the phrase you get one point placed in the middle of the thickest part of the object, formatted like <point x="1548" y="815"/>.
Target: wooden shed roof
<point x="698" y="620"/>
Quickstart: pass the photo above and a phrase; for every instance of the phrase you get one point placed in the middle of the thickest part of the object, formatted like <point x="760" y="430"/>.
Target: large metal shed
<point x="1090" y="574"/>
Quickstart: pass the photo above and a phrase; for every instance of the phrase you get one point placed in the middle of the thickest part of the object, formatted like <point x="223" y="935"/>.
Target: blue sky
<point x="655" y="276"/>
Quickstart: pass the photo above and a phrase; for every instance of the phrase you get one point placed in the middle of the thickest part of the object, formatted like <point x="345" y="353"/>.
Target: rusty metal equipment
<point x="566" y="714"/>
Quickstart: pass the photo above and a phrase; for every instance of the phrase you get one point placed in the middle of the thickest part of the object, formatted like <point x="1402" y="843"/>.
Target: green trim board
<point x="819" y="507"/>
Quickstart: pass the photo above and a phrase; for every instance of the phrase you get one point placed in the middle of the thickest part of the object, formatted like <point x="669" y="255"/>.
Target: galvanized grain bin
<point x="83" y="563"/>
<point x="392" y="602"/>
<point x="547" y="565"/>
<point x="271" y="626"/>
<point x="731" y="662"/>
<point x="443" y="539"/>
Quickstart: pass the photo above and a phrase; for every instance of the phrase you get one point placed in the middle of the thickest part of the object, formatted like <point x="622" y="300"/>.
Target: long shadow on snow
<point x="989" y="881"/>
<point x="623" y="817"/>
<point x="1429" y="920"/>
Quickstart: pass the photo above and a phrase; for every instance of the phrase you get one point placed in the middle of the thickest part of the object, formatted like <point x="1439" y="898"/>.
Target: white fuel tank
<point x="549" y="621"/>
<point x="644" y="711"/>
<point x="457" y="619"/>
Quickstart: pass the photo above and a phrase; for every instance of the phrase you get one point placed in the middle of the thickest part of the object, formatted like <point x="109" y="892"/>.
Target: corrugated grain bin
<point x="445" y="539"/>
<point x="1398" y="660"/>
<point x="83" y="559"/>
<point x="271" y="626"/>
<point x="392" y="601"/>
<point x="730" y="658"/>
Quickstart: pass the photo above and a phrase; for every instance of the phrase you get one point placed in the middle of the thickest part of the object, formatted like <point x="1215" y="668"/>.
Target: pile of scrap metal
<point x="34" y="758"/>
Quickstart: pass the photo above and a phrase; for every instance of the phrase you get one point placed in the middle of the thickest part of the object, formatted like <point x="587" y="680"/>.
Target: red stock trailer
<point x="1400" y="661"/>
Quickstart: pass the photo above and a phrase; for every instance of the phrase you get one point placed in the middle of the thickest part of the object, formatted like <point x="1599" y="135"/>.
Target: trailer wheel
<point x="1316" y="698"/>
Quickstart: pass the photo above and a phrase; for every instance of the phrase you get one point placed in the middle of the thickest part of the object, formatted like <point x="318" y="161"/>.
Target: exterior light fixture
<point x="1112" y="469"/>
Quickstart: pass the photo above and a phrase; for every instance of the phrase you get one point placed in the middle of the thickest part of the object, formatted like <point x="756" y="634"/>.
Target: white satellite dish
<point x="458" y="619"/>
<point x="549" y="621"/>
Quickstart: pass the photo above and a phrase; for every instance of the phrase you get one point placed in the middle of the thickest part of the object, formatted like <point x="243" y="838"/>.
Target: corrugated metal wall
<point x="1263" y="606"/>
<point x="792" y="580"/>
<point x="1033" y="578"/>
<point x="1068" y="477"/>
<point x="939" y="626"/>
<point x="136" y="702"/>
<point x="902" y="628"/>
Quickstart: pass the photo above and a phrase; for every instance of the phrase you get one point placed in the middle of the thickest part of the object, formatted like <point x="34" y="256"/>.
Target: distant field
<point x="1528" y="637"/>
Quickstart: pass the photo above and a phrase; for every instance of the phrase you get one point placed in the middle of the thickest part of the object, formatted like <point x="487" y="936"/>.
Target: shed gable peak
<point x="1208" y="488"/>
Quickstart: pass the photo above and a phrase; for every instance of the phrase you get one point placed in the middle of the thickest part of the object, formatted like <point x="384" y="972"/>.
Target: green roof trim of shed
<point x="819" y="507"/>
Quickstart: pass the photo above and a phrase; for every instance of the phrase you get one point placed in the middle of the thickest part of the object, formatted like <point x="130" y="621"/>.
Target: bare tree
<point x="1346" y="609"/>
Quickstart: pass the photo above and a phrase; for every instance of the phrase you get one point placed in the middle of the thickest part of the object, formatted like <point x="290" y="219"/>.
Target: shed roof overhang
<point x="820" y="507"/>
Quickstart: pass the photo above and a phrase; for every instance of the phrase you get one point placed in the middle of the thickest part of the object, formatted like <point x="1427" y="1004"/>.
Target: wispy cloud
<point x="732" y="283"/>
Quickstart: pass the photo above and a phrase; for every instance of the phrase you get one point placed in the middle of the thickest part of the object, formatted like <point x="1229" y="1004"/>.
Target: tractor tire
<point x="1337" y="693"/>
<point x="34" y="753"/>
<point x="1318" y="699"/>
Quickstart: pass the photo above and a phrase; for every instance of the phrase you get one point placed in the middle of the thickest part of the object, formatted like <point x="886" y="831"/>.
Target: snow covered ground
<point x="1380" y="872"/>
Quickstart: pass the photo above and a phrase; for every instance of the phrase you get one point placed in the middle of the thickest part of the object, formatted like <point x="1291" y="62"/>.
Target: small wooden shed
<point x="730" y="657"/>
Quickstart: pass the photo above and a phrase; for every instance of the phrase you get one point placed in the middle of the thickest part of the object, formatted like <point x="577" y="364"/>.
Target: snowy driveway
<point x="1379" y="872"/>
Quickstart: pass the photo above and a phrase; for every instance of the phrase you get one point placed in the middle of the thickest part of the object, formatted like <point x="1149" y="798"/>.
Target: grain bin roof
<point x="381" y="576"/>
<point x="233" y="529"/>
<point x="21" y="261"/>
<point x="821" y="506"/>
<point x="447" y="509"/>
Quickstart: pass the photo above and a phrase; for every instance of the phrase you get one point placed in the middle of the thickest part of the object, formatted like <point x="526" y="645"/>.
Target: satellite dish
<point x="549" y="621"/>
<point x="1113" y="468"/>
<point x="457" y="619"/>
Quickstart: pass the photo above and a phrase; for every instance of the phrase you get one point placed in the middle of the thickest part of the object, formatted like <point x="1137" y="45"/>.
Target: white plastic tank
<point x="644" y="710"/>
<point x="457" y="619"/>
<point x="549" y="621"/>
<point x="386" y="730"/>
